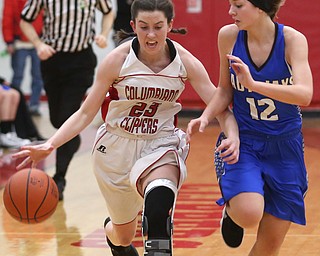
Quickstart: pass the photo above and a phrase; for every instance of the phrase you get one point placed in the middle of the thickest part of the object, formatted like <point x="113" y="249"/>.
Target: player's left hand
<point x="196" y="124"/>
<point x="229" y="150"/>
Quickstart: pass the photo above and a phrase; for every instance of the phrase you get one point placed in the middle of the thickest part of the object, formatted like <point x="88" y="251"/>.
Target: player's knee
<point x="160" y="197"/>
<point x="247" y="217"/>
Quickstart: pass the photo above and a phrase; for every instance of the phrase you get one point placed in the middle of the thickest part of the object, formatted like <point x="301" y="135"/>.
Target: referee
<point x="67" y="60"/>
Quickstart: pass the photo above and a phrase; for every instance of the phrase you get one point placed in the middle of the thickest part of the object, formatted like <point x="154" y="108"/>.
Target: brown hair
<point x="165" y="6"/>
<point x="271" y="7"/>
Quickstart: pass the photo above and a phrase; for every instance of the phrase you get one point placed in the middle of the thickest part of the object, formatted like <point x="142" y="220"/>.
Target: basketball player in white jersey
<point x="139" y="155"/>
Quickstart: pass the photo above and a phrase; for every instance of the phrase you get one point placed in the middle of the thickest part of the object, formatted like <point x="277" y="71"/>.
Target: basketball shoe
<point x="120" y="250"/>
<point x="231" y="232"/>
<point x="11" y="140"/>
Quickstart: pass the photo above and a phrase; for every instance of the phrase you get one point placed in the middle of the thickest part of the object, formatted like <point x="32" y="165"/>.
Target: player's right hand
<point x="33" y="153"/>
<point x="196" y="124"/>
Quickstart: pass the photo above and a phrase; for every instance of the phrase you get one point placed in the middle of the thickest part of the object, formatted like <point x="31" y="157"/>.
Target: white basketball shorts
<point x="119" y="162"/>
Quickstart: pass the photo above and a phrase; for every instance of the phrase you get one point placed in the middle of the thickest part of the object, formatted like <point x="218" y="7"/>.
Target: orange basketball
<point x="30" y="196"/>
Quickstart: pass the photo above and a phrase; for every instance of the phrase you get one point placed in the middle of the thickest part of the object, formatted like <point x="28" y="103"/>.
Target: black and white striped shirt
<point x="69" y="25"/>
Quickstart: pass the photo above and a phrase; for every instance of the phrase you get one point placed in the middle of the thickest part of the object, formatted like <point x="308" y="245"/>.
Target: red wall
<point x="203" y="28"/>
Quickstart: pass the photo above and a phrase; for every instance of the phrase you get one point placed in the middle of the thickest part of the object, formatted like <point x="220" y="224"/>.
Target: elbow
<point x="303" y="97"/>
<point x="22" y="24"/>
<point x="306" y="100"/>
<point x="305" y="103"/>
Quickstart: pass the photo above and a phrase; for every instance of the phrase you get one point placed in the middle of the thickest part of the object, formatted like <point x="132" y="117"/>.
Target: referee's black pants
<point x="66" y="77"/>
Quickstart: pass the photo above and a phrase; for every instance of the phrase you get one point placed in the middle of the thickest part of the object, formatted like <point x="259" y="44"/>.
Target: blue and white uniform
<point x="271" y="158"/>
<point x="139" y="133"/>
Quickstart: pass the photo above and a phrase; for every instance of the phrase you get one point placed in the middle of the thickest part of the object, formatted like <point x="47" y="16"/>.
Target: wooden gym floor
<point x="75" y="229"/>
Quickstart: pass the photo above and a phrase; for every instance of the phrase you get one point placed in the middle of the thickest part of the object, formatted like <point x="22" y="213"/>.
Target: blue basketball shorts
<point x="274" y="167"/>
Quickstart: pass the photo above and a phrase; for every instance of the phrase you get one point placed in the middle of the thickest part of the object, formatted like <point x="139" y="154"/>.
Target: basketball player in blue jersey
<point x="139" y="155"/>
<point x="265" y="70"/>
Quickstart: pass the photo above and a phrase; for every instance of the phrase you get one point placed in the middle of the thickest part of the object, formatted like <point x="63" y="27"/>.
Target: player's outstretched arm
<point x="81" y="118"/>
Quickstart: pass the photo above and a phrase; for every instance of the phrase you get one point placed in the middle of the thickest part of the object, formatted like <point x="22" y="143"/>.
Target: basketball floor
<point x="75" y="229"/>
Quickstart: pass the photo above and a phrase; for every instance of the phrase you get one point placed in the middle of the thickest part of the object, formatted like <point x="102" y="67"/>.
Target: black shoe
<point x="35" y="112"/>
<point x="120" y="250"/>
<point x="231" y="232"/>
<point x="61" y="183"/>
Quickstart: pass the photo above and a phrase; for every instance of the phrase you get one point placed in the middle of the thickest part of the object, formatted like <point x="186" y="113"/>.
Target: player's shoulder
<point x="228" y="32"/>
<point x="188" y="60"/>
<point x="292" y="34"/>
<point x="294" y="40"/>
<point x="114" y="60"/>
<point x="120" y="53"/>
<point x="178" y="46"/>
<point x="181" y="50"/>
<point x="185" y="55"/>
<point x="227" y="37"/>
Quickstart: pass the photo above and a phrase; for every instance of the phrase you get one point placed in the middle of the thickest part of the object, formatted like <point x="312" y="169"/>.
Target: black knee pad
<point x="157" y="212"/>
<point x="159" y="202"/>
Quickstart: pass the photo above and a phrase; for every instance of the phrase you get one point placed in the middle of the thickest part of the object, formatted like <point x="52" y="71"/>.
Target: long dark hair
<point x="165" y="6"/>
<point x="271" y="7"/>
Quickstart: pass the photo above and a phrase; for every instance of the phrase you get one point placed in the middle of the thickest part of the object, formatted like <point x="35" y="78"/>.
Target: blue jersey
<point x="255" y="112"/>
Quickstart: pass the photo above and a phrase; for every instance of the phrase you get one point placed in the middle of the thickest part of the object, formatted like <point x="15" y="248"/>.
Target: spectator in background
<point x="20" y="48"/>
<point x="67" y="60"/>
<point x="122" y="20"/>
<point x="9" y="101"/>
<point x="24" y="126"/>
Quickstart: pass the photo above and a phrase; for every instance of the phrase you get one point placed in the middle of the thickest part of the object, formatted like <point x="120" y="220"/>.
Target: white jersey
<point x="146" y="102"/>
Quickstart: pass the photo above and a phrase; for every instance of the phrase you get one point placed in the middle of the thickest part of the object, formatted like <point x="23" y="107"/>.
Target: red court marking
<point x="196" y="215"/>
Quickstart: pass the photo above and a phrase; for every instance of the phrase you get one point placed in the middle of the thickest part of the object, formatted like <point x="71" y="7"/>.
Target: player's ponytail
<point x="182" y="31"/>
